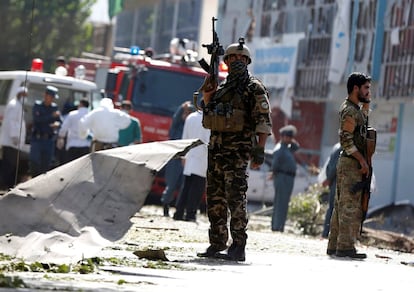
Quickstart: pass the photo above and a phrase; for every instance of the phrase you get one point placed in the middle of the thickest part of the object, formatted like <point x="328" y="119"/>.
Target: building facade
<point x="304" y="50"/>
<point x="155" y="23"/>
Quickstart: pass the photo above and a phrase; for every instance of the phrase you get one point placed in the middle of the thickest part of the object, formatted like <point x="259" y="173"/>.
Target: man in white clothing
<point x="104" y="124"/>
<point x="13" y="137"/>
<point x="195" y="169"/>
<point x="75" y="145"/>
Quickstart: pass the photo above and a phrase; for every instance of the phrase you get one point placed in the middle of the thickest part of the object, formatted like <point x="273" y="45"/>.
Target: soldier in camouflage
<point x="352" y="166"/>
<point x="238" y="115"/>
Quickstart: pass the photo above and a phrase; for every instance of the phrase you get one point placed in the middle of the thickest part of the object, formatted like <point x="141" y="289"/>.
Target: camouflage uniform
<point x="228" y="156"/>
<point x="347" y="214"/>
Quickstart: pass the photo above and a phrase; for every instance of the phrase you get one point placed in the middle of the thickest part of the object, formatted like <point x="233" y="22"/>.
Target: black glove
<point x="258" y="154"/>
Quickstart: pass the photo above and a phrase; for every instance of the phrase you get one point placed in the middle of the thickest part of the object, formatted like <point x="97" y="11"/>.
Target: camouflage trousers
<point x="226" y="195"/>
<point x="347" y="213"/>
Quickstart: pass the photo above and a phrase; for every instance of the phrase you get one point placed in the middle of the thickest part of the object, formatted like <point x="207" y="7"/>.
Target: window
<point x="315" y="19"/>
<point x="4" y="91"/>
<point x="37" y="91"/>
<point x="161" y="92"/>
<point x="398" y="60"/>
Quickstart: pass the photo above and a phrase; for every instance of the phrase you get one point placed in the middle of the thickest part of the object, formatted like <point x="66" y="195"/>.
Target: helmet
<point x="238" y="48"/>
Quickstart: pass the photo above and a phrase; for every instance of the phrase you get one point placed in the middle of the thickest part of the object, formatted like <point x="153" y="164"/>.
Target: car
<point x="260" y="184"/>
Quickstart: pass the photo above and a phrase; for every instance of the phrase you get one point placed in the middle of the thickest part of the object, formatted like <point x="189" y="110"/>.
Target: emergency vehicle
<point x="156" y="87"/>
<point x="70" y="90"/>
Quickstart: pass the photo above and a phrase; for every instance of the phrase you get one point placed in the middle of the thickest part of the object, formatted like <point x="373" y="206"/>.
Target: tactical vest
<point x="226" y="113"/>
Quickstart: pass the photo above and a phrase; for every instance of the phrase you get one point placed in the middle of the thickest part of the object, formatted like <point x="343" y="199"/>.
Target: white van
<point x="69" y="89"/>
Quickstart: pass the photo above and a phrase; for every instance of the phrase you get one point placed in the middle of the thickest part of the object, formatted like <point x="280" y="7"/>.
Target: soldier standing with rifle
<point x="238" y="114"/>
<point x="354" y="169"/>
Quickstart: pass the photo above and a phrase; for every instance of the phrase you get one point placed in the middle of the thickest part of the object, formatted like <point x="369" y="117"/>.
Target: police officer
<point x="238" y="114"/>
<point x="283" y="173"/>
<point x="46" y="121"/>
<point x="352" y="166"/>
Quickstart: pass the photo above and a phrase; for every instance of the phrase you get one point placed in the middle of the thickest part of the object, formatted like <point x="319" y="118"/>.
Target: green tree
<point x="43" y="29"/>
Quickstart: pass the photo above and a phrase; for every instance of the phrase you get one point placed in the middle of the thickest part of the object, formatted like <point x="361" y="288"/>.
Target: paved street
<point x="274" y="261"/>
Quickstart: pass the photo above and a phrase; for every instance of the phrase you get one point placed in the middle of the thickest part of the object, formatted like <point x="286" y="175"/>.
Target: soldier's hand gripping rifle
<point x="365" y="184"/>
<point x="215" y="49"/>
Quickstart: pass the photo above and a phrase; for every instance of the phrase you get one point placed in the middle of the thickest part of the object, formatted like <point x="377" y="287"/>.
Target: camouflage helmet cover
<point x="237" y="48"/>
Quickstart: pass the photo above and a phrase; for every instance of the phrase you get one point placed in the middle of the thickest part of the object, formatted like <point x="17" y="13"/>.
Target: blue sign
<point x="274" y="60"/>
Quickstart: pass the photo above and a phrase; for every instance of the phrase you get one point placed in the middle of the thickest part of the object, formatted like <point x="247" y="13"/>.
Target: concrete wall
<point x="404" y="168"/>
<point x="208" y="11"/>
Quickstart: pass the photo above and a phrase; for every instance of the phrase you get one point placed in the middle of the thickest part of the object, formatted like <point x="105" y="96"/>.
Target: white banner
<point x="275" y="64"/>
<point x="340" y="41"/>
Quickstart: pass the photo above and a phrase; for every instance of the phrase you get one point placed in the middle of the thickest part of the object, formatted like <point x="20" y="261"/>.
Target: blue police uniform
<point x="43" y="136"/>
<point x="284" y="171"/>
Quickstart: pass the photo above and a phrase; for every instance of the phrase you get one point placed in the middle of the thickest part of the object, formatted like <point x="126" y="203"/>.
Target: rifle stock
<point x="366" y="190"/>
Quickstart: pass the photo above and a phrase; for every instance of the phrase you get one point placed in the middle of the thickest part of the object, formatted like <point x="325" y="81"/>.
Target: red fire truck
<point x="155" y="85"/>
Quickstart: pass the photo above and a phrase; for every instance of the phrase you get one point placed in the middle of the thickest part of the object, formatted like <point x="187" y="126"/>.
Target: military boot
<point x="331" y="252"/>
<point x="236" y="252"/>
<point x="351" y="253"/>
<point x="211" y="252"/>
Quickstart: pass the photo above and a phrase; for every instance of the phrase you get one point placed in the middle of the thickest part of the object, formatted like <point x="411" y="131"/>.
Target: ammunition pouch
<point x="224" y="121"/>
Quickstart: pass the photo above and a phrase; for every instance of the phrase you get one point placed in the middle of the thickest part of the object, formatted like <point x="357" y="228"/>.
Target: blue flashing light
<point x="134" y="50"/>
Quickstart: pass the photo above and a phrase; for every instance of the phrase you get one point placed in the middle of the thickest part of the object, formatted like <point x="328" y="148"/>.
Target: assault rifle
<point x="365" y="184"/>
<point x="215" y="49"/>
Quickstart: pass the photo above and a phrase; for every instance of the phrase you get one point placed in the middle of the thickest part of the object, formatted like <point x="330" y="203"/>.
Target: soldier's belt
<point x="43" y="136"/>
<point x="289" y="173"/>
<point x="224" y="123"/>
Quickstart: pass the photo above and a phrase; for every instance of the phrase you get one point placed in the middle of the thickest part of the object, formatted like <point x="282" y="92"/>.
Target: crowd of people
<point x="55" y="138"/>
<point x="233" y="125"/>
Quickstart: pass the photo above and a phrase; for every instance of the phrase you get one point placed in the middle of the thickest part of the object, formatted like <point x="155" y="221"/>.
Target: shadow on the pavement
<point x="129" y="272"/>
<point x="217" y="262"/>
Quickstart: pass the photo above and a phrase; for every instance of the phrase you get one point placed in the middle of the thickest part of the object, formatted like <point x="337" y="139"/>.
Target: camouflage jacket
<point x="353" y="128"/>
